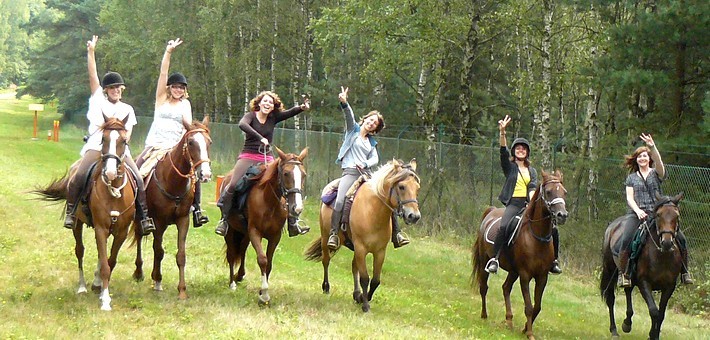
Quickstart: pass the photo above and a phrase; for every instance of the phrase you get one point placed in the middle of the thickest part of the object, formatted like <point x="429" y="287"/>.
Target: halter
<point x="186" y="154"/>
<point x="400" y="203"/>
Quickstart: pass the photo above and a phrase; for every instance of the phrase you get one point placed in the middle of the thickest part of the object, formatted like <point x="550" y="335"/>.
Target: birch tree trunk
<point x="467" y="74"/>
<point x="542" y="121"/>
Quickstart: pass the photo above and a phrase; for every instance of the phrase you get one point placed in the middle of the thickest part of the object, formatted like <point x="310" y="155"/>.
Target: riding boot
<point x="69" y="217"/>
<point x="198" y="215"/>
<point x="225" y="204"/>
<point x="624" y="280"/>
<point x="399" y="238"/>
<point x="147" y="224"/>
<point x="294" y="228"/>
<point x="556" y="243"/>
<point x="685" y="277"/>
<point x="333" y="239"/>
<point x="493" y="265"/>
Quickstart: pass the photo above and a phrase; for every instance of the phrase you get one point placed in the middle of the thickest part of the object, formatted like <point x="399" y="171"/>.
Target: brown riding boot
<point x="624" y="280"/>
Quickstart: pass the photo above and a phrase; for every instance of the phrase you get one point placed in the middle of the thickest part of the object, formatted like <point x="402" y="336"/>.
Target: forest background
<point x="581" y="79"/>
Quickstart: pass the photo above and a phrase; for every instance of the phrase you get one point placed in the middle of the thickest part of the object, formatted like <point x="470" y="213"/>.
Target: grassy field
<point x="425" y="290"/>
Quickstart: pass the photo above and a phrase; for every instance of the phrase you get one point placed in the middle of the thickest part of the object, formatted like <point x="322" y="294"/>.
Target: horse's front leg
<point x="525" y="289"/>
<point x="361" y="263"/>
<point x="158" y="254"/>
<point x="540" y="284"/>
<point x="626" y="325"/>
<point x="663" y="303"/>
<point x="138" y="275"/>
<point x="79" y="252"/>
<point x="507" y="288"/>
<point x="653" y="311"/>
<point x="101" y="235"/>
<point x="255" y="238"/>
<point x="377" y="261"/>
<point x="183" y="226"/>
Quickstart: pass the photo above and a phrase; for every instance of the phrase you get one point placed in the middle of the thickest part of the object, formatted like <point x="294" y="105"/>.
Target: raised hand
<point x="503" y="123"/>
<point x="172" y="44"/>
<point x="91" y="44"/>
<point x="648" y="140"/>
<point x="343" y="96"/>
<point x="306" y="102"/>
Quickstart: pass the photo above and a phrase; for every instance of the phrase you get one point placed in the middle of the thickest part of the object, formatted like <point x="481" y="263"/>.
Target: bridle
<point x="660" y="233"/>
<point x="398" y="211"/>
<point x="193" y="165"/>
<point x="114" y="191"/>
<point x="548" y="208"/>
<point x="284" y="191"/>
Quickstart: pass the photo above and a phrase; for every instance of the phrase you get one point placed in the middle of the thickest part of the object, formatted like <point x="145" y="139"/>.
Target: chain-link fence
<point x="460" y="181"/>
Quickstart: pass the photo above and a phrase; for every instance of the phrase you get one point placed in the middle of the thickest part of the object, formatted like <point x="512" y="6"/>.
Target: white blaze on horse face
<point x="297" y="179"/>
<point x="204" y="156"/>
<point x="111" y="165"/>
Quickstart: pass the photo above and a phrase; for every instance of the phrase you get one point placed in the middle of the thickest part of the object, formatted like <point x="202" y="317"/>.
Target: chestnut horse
<point x="393" y="188"/>
<point x="658" y="265"/>
<point x="111" y="203"/>
<point x="531" y="256"/>
<point x="170" y="192"/>
<point x="279" y="184"/>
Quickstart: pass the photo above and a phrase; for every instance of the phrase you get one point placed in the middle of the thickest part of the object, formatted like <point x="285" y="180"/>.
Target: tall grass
<point x="425" y="290"/>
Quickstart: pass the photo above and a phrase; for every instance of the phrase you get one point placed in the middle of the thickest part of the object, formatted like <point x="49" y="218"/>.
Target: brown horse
<point x="393" y="188"/>
<point x="111" y="203"/>
<point x="531" y="256"/>
<point x="658" y="265"/>
<point x="280" y="183"/>
<point x="170" y="192"/>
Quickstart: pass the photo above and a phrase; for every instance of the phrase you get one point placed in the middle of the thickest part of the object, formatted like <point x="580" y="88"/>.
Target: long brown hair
<point x="254" y="103"/>
<point x="630" y="160"/>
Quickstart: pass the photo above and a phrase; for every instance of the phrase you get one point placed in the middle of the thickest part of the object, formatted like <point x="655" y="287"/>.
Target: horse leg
<point x="138" y="275"/>
<point x="482" y="276"/>
<point x="361" y="263"/>
<point x="242" y="256"/>
<point x="261" y="259"/>
<point x="357" y="293"/>
<point x="653" y="310"/>
<point x="158" y="254"/>
<point x="507" y="288"/>
<point x="665" y="296"/>
<point x="183" y="225"/>
<point x="232" y="245"/>
<point x="525" y="289"/>
<point x="325" y="260"/>
<point x="626" y="325"/>
<point x="79" y="252"/>
<point x="377" y="261"/>
<point x="101" y="244"/>
<point x="540" y="284"/>
<point x="610" y="298"/>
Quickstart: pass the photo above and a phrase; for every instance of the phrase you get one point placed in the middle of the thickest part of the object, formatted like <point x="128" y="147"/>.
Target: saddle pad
<point x="151" y="159"/>
<point x="491" y="232"/>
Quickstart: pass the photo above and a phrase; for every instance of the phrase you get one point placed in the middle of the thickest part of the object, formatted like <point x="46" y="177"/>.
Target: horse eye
<point x="402" y="187"/>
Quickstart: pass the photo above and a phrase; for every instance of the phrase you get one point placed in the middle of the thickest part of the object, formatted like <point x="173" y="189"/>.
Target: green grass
<point x="425" y="290"/>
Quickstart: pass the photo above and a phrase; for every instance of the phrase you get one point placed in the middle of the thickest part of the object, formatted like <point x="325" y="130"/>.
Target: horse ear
<point x="206" y="120"/>
<point x="303" y="154"/>
<point x="105" y="118"/>
<point x="677" y="198"/>
<point x="558" y="172"/>
<point x="413" y="164"/>
<point x="282" y="155"/>
<point x="125" y="121"/>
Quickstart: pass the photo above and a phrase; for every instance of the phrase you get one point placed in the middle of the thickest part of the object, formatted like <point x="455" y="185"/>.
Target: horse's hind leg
<point x="626" y="325"/>
<point x="138" y="272"/>
<point x="325" y="260"/>
<point x="357" y="293"/>
<point x="79" y="252"/>
<point x="507" y="288"/>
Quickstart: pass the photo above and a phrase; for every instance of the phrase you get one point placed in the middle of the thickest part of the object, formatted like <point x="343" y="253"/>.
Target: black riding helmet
<point x="177" y="78"/>
<point x="112" y="78"/>
<point x="523" y="142"/>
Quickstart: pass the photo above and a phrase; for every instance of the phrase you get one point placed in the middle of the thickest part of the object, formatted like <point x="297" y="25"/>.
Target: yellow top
<point x="521" y="185"/>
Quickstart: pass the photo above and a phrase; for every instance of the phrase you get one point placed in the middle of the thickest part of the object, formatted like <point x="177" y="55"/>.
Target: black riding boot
<point x="556" y="243"/>
<point x="685" y="277"/>
<point x="225" y="204"/>
<point x="399" y="238"/>
<point x="334" y="240"/>
<point x="198" y="215"/>
<point x="493" y="265"/>
<point x="147" y="225"/>
<point x="294" y="228"/>
<point x="624" y="280"/>
<point x="69" y="217"/>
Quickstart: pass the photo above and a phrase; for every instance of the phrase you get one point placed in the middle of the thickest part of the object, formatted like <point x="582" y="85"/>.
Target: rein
<point x="190" y="176"/>
<point x="400" y="203"/>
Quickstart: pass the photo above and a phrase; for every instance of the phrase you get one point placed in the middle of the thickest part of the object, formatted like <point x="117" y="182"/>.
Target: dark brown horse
<point x="658" y="265"/>
<point x="111" y="203"/>
<point x="280" y="183"/>
<point x="170" y="192"/>
<point x="531" y="256"/>
<point x="393" y="188"/>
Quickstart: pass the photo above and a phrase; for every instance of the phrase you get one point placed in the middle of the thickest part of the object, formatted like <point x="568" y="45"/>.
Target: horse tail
<point x="314" y="252"/>
<point x="55" y="191"/>
<point x="477" y="252"/>
<point x="609" y="273"/>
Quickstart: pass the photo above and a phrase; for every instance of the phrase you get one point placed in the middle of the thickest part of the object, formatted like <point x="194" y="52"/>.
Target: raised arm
<point x="502" y="124"/>
<point x="94" y="83"/>
<point x="347" y="110"/>
<point x="655" y="155"/>
<point x="161" y="91"/>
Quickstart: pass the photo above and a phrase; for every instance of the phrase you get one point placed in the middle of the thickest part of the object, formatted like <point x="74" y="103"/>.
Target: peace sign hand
<point x="306" y="102"/>
<point x="503" y="123"/>
<point x="172" y="44"/>
<point x="91" y="44"/>
<point x="343" y="96"/>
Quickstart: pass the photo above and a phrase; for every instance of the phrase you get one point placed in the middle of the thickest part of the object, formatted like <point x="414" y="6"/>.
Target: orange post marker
<point x="56" y="131"/>
<point x="219" y="185"/>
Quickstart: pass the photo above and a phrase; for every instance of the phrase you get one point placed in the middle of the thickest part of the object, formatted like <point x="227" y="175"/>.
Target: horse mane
<point x="196" y="124"/>
<point x="269" y="173"/>
<point x="113" y="124"/>
<point x="392" y="172"/>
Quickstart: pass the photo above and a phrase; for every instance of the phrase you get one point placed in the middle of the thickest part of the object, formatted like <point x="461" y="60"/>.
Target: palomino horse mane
<point x="390" y="173"/>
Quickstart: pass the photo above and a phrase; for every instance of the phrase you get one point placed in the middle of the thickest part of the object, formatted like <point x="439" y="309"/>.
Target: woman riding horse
<point x="646" y="173"/>
<point x="520" y="184"/>
<point x="104" y="102"/>
<point x="259" y="125"/>
<point x="357" y="155"/>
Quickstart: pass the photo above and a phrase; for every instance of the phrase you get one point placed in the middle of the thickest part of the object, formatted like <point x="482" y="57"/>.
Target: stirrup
<point x="222" y="227"/>
<point x="624" y="282"/>
<point x="147" y="226"/>
<point x="333" y="242"/>
<point x="199" y="218"/>
<point x="686" y="279"/>
<point x="492" y="266"/>
<point x="555" y="269"/>
<point x="69" y="221"/>
<point x="296" y="229"/>
<point x="400" y="239"/>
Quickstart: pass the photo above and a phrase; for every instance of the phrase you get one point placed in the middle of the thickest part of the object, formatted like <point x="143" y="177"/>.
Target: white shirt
<point x="167" y="128"/>
<point x="99" y="106"/>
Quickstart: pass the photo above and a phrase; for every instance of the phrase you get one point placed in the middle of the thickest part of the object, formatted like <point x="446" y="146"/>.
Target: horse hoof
<point x="366" y="308"/>
<point x="81" y="290"/>
<point x="233" y="286"/>
<point x="182" y="296"/>
<point x="95" y="289"/>
<point x="509" y="324"/>
<point x="263" y="303"/>
<point x="138" y="277"/>
<point x="106" y="308"/>
<point x="626" y="327"/>
<point x="484" y="316"/>
<point x="157" y="286"/>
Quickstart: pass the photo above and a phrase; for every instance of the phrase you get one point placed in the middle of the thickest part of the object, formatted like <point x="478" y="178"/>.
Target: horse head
<point x="292" y="178"/>
<point x="405" y="184"/>
<point x="113" y="147"/>
<point x="197" y="148"/>
<point x="667" y="214"/>
<point x="553" y="194"/>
